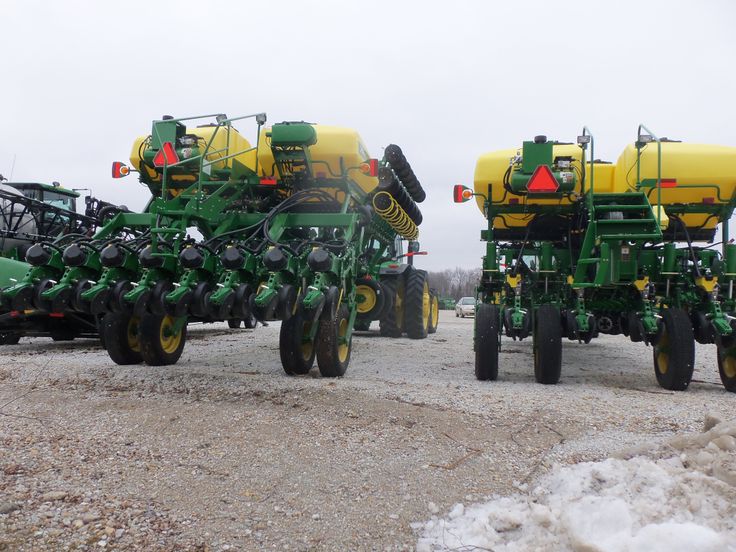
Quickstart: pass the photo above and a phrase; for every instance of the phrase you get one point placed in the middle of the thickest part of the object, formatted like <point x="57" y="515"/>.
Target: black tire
<point x="333" y="357"/>
<point x="362" y="325"/>
<point x="727" y="366"/>
<point x="234" y="323"/>
<point x="392" y="321"/>
<point x="674" y="351"/>
<point x="487" y="341"/>
<point x="418" y="305"/>
<point x="434" y="313"/>
<point x="547" y="345"/>
<point x="119" y="331"/>
<point x="636" y="330"/>
<point x="63" y="335"/>
<point x="374" y="301"/>
<point x="158" y="346"/>
<point x="250" y="321"/>
<point x="9" y="338"/>
<point x="297" y="356"/>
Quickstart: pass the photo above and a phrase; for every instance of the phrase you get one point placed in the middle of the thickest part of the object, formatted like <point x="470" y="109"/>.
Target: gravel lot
<point x="223" y="451"/>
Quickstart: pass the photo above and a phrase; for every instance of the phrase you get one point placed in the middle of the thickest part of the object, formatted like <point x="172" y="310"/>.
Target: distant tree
<point x="455" y="282"/>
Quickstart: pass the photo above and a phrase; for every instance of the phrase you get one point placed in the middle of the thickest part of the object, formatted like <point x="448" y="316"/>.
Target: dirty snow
<point x="676" y="497"/>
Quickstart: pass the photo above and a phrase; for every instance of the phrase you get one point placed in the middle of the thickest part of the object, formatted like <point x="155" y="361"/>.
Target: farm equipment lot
<point x="223" y="451"/>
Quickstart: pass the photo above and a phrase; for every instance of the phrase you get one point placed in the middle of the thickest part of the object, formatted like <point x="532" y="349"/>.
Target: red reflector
<point x="119" y="170"/>
<point x="56" y="315"/>
<point x="461" y="194"/>
<point x="14" y="314"/>
<point x="268" y="181"/>
<point x="166" y="155"/>
<point x="373" y="167"/>
<point x="709" y="200"/>
<point x="668" y="182"/>
<point x="393" y="266"/>
<point x="542" y="181"/>
<point x="513" y="201"/>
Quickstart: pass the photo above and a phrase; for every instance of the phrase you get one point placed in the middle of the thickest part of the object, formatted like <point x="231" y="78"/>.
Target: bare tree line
<point x="455" y="282"/>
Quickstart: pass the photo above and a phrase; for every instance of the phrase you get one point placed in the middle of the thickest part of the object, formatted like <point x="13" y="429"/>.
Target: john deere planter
<point x="302" y="227"/>
<point x="576" y="247"/>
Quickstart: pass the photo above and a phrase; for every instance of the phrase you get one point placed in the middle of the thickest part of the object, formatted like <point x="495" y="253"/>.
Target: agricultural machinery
<point x="30" y="213"/>
<point x="302" y="227"/>
<point x="576" y="247"/>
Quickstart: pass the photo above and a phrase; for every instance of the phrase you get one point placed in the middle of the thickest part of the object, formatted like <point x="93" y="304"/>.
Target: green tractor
<point x="30" y="213"/>
<point x="576" y="247"/>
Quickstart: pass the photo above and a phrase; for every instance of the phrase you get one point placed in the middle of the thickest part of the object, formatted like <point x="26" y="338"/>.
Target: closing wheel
<point x="727" y="366"/>
<point x="674" y="351"/>
<point x="392" y="321"/>
<point x="120" y="335"/>
<point x="547" y="346"/>
<point x="234" y="323"/>
<point x="250" y="321"/>
<point x="487" y="341"/>
<point x="333" y="350"/>
<point x="160" y="343"/>
<point x="297" y="355"/>
<point x="434" y="313"/>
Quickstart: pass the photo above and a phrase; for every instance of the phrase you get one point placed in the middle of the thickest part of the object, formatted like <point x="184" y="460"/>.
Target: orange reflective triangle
<point x="542" y="181"/>
<point x="166" y="155"/>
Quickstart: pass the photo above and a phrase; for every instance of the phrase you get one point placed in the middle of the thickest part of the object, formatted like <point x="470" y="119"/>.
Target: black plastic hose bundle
<point x="401" y="167"/>
<point x="387" y="182"/>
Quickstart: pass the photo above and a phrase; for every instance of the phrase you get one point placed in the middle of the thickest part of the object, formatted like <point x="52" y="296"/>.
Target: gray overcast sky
<point x="446" y="81"/>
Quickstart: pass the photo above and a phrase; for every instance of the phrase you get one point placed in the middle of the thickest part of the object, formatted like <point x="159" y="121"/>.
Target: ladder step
<point x="620" y="207"/>
<point x="629" y="236"/>
<point x="641" y="221"/>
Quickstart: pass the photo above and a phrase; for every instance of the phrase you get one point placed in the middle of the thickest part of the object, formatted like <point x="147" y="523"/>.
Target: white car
<point x="465" y="307"/>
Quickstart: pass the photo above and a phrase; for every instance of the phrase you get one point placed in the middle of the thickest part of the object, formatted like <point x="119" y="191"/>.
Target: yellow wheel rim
<point x="133" y="342"/>
<point x="663" y="355"/>
<point x="169" y="341"/>
<point x="435" y="311"/>
<point x="369" y="298"/>
<point x="425" y="306"/>
<point x="399" y="305"/>
<point x="729" y="366"/>
<point x="308" y="346"/>
<point x="343" y="348"/>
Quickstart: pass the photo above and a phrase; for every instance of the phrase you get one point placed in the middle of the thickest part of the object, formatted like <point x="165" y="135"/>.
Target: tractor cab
<point x="53" y="195"/>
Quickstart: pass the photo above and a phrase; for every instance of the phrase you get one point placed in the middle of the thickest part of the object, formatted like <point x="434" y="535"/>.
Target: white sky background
<point x="446" y="81"/>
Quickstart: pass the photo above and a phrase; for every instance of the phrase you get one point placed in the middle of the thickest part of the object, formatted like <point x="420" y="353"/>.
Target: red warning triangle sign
<point x="166" y="155"/>
<point x="542" y="181"/>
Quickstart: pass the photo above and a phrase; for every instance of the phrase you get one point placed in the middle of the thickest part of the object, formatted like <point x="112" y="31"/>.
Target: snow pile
<point x="681" y="497"/>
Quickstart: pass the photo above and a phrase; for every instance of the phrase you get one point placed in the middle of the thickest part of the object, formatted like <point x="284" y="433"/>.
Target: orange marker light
<point x="119" y="170"/>
<point x="461" y="194"/>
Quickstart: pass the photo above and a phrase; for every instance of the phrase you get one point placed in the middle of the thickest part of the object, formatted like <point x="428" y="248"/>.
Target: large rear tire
<point x="674" y="351"/>
<point x="120" y="335"/>
<point x="333" y="353"/>
<point x="297" y="356"/>
<point x="487" y="340"/>
<point x="160" y="346"/>
<point x="547" y="345"/>
<point x="392" y="321"/>
<point x="418" y="305"/>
